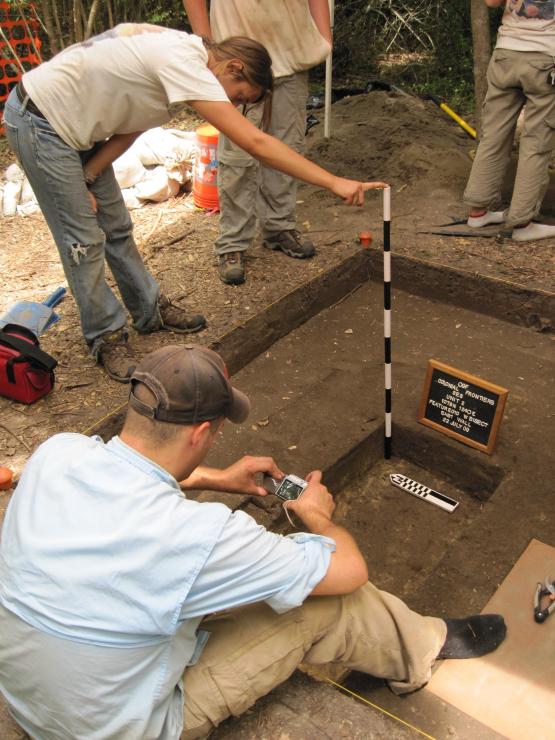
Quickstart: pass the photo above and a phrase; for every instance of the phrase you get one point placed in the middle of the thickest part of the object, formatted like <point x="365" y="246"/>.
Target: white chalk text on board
<point x="462" y="406"/>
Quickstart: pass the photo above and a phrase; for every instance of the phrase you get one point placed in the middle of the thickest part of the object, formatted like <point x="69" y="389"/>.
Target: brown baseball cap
<point x="190" y="384"/>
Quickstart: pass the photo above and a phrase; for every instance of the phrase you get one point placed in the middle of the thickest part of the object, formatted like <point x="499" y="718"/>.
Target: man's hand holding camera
<point x="315" y="506"/>
<point x="241" y="477"/>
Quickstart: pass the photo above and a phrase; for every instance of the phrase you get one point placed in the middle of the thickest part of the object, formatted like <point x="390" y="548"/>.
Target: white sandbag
<point x="158" y="145"/>
<point x="27" y="195"/>
<point x="181" y="172"/>
<point x="153" y="147"/>
<point x="156" y="186"/>
<point x="128" y="169"/>
<point x="130" y="199"/>
<point x="28" y="208"/>
<point x="14" y="173"/>
<point x="184" y="145"/>
<point x="10" y="199"/>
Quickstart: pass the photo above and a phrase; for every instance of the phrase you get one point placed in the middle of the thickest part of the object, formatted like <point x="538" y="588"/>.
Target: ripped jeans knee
<point x="77" y="251"/>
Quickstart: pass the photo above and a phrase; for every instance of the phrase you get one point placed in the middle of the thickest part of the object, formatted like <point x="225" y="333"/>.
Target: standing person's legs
<point x="139" y="290"/>
<point x="504" y="101"/>
<point x="253" y="649"/>
<point x="237" y="193"/>
<point x="278" y="192"/>
<point x="55" y="172"/>
<point x="536" y="145"/>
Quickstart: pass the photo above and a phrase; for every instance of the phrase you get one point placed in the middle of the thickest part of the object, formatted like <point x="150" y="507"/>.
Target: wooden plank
<point x="511" y="690"/>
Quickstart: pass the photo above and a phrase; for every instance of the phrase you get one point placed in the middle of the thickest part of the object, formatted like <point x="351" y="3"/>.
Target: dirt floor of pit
<point x="426" y="157"/>
<point x="318" y="392"/>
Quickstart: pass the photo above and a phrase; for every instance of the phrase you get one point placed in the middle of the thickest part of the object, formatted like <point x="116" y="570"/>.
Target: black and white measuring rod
<point x="387" y="316"/>
<point x="421" y="491"/>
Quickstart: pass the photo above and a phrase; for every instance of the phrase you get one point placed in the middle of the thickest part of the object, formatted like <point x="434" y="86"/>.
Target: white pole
<point x="327" y="94"/>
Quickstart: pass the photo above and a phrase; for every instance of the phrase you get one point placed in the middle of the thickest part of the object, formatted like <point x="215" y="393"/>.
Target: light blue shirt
<point x="106" y="570"/>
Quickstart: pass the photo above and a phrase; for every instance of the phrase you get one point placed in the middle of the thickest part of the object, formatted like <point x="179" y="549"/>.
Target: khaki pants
<point x="247" y="189"/>
<point x="515" y="78"/>
<point x="252" y="649"/>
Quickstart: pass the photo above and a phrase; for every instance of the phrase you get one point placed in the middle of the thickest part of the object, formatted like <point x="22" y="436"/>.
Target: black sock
<point x="473" y="636"/>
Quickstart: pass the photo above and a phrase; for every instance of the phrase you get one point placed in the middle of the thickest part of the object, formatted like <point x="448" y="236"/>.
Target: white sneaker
<point x="532" y="232"/>
<point x="489" y="217"/>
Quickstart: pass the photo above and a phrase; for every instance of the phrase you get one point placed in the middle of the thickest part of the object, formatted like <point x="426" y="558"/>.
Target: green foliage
<point x="423" y="45"/>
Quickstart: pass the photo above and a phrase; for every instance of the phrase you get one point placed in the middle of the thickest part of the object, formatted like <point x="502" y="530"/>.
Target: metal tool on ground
<point x="485" y="232"/>
<point x="317" y="99"/>
<point x="311" y="121"/>
<point x="387" y="317"/>
<point x="34" y="316"/>
<point x="544" y="591"/>
<point x="450" y="112"/>
<point x="423" y="492"/>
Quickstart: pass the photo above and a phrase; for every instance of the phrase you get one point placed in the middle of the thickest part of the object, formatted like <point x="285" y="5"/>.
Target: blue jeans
<point x="84" y="238"/>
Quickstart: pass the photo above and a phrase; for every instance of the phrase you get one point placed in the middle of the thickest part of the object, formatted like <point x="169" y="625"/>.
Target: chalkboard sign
<point x="462" y="406"/>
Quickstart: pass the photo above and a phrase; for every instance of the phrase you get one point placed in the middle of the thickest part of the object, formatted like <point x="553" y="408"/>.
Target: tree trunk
<point x="49" y="25"/>
<point x="77" y="26"/>
<point x="110" y="15"/>
<point x="57" y="24"/>
<point x="91" y="19"/>
<point x="481" y="44"/>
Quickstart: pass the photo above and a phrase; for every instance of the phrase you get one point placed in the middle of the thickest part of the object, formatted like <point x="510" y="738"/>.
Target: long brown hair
<point x="257" y="66"/>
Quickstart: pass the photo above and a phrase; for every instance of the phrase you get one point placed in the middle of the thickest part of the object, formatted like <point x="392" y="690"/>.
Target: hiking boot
<point x="115" y="356"/>
<point x="175" y="319"/>
<point x="290" y="243"/>
<point x="231" y="268"/>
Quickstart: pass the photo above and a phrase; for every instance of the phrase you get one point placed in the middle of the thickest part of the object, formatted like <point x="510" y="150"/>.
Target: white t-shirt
<point x="128" y="79"/>
<point x="528" y="25"/>
<point x="285" y="28"/>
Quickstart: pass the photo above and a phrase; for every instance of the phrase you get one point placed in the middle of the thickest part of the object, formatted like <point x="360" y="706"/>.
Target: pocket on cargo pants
<point x="251" y="651"/>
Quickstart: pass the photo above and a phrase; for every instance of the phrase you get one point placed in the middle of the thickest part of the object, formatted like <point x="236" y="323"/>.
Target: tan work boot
<point x="175" y="319"/>
<point x="115" y="356"/>
<point x="231" y="268"/>
<point x="291" y="243"/>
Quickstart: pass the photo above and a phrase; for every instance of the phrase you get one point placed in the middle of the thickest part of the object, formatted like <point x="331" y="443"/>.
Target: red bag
<point x="26" y="372"/>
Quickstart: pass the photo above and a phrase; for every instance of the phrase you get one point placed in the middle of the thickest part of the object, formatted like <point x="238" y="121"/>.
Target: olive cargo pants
<point x="515" y="79"/>
<point x="245" y="188"/>
<point x="252" y="649"/>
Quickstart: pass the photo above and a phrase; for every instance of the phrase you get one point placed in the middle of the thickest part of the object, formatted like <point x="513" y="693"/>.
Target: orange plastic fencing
<point x="20" y="36"/>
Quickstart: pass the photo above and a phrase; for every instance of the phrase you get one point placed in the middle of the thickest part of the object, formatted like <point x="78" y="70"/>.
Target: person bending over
<point x="128" y="610"/>
<point x="71" y="117"/>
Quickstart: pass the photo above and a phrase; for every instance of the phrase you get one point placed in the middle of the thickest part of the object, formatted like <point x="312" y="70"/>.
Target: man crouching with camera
<point x="130" y="611"/>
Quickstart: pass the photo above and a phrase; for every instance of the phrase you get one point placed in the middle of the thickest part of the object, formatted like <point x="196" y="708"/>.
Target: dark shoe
<point x="473" y="637"/>
<point x="231" y="268"/>
<point x="115" y="356"/>
<point x="175" y="319"/>
<point x="290" y="243"/>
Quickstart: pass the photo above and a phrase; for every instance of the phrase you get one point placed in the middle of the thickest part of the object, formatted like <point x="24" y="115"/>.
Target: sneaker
<point x="231" y="268"/>
<point x="290" y="243"/>
<point x="489" y="217"/>
<point x="175" y="319"/>
<point x="115" y="356"/>
<point x="533" y="231"/>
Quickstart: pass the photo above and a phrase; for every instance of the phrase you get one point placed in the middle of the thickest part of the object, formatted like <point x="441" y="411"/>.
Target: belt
<point x="30" y="106"/>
